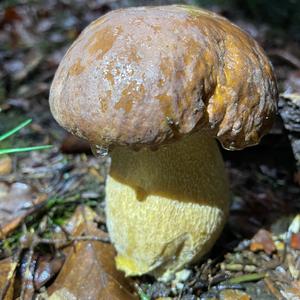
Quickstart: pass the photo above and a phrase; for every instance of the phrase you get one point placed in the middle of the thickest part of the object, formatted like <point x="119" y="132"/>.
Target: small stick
<point x="74" y="239"/>
<point x="27" y="269"/>
<point x="274" y="291"/>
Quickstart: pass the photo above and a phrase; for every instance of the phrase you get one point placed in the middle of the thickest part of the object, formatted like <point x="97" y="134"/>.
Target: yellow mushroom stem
<point x="166" y="208"/>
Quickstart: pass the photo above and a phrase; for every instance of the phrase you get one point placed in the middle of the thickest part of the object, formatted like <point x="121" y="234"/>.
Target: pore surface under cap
<point x="142" y="76"/>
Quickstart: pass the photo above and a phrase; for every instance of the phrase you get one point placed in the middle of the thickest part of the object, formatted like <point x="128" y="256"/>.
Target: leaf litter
<point x="90" y="262"/>
<point x="17" y="200"/>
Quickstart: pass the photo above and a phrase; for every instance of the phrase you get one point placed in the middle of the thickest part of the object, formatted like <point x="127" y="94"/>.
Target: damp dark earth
<point x="54" y="241"/>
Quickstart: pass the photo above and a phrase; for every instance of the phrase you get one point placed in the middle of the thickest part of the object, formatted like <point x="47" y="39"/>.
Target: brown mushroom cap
<point x="142" y="76"/>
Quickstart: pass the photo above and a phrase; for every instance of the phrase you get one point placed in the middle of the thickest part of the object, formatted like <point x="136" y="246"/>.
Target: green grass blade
<point x="247" y="278"/>
<point x="25" y="149"/>
<point x="14" y="130"/>
<point x="141" y="293"/>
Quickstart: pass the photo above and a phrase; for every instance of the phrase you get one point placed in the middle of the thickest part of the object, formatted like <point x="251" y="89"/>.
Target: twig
<point x="287" y="56"/>
<point x="274" y="291"/>
<point x="285" y="245"/>
<point x="74" y="239"/>
<point x="27" y="269"/>
<point x="225" y="286"/>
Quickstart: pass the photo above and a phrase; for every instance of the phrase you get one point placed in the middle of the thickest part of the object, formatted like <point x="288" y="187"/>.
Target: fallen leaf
<point x="17" y="200"/>
<point x="47" y="268"/>
<point x="296" y="285"/>
<point x="262" y="240"/>
<point x="7" y="275"/>
<point x="89" y="271"/>
<point x="293" y="266"/>
<point x="292" y="292"/>
<point x="5" y="165"/>
<point x="295" y="241"/>
<point x="10" y="15"/>
<point x="234" y="295"/>
<point x="77" y="224"/>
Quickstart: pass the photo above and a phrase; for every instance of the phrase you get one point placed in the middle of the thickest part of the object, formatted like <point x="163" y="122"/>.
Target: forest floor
<point x="53" y="238"/>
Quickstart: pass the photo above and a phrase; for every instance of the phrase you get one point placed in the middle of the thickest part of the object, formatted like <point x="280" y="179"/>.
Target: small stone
<point x="158" y="290"/>
<point x="179" y="286"/>
<point x="182" y="275"/>
<point x="5" y="165"/>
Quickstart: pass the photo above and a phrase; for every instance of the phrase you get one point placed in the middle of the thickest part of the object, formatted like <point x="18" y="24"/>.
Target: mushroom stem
<point x="166" y="208"/>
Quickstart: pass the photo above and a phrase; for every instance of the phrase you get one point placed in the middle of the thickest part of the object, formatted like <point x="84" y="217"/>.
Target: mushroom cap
<point x="149" y="75"/>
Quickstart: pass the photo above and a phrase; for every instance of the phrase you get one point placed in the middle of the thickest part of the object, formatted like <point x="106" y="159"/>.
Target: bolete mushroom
<point x="155" y="86"/>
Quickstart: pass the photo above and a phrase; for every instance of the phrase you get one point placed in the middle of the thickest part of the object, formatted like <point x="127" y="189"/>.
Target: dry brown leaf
<point x="295" y="241"/>
<point x="10" y="16"/>
<point x="17" y="201"/>
<point x="234" y="295"/>
<point x="47" y="268"/>
<point x="293" y="265"/>
<point x="89" y="271"/>
<point x="293" y="292"/>
<point x="7" y="275"/>
<point x="35" y="272"/>
<point x="296" y="285"/>
<point x="84" y="221"/>
<point x="263" y="241"/>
